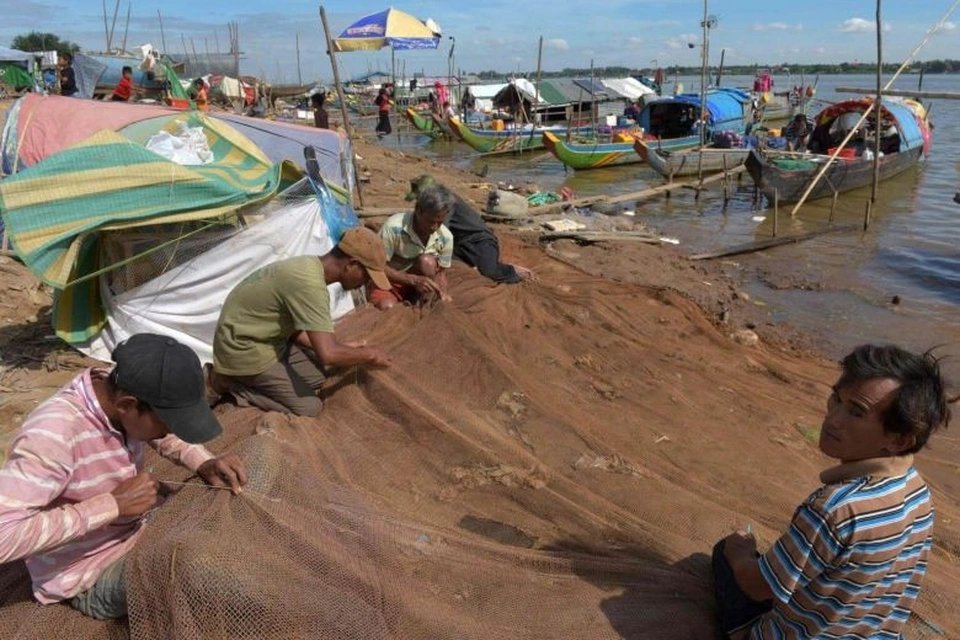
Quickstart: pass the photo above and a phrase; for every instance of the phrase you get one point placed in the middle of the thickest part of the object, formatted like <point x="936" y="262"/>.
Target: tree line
<point x="929" y="66"/>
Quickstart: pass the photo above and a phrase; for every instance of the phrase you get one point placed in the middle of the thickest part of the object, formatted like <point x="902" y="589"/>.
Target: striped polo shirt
<point x="404" y="246"/>
<point x="852" y="562"/>
<point x="56" y="509"/>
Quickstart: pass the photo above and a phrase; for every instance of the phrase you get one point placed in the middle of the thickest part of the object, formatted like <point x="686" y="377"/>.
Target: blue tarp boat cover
<point x="911" y="136"/>
<point x="724" y="105"/>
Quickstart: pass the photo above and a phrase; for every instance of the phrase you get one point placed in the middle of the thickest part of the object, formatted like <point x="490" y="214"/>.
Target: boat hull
<point x="843" y="175"/>
<point x="508" y="141"/>
<point x="580" y="156"/>
<point x="687" y="162"/>
<point x="423" y="123"/>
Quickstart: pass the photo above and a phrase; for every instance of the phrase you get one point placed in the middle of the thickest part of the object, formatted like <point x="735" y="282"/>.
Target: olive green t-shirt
<point x="265" y="310"/>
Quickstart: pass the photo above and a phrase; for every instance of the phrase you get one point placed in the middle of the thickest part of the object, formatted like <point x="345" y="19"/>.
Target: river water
<point x="839" y="286"/>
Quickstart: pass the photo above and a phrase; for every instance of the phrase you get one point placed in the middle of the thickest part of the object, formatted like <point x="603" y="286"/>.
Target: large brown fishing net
<point x="551" y="460"/>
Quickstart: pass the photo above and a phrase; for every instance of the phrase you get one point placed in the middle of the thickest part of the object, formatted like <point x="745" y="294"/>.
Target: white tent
<point x="629" y="88"/>
<point x="184" y="302"/>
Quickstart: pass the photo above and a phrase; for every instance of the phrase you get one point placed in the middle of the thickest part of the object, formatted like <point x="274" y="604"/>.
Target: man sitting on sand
<point x="473" y="241"/>
<point x="73" y="491"/>
<point x="418" y="249"/>
<point x="275" y="333"/>
<point x="853" y="559"/>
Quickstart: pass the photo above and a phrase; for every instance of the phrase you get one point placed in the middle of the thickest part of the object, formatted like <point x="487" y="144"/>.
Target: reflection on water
<point x="911" y="250"/>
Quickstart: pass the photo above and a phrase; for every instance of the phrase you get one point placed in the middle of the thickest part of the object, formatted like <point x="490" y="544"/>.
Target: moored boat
<point x="423" y="122"/>
<point x="508" y="140"/>
<point x="685" y="162"/>
<point x="904" y="142"/>
<point x="670" y="121"/>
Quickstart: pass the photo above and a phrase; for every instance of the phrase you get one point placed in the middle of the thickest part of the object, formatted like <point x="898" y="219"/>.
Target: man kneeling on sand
<point x="473" y="241"/>
<point x="852" y="562"/>
<point x="73" y="492"/>
<point x="275" y="333"/>
<point x="418" y="248"/>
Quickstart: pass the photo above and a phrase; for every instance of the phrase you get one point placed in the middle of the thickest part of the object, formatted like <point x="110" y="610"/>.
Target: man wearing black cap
<point x="275" y="333"/>
<point x="73" y="491"/>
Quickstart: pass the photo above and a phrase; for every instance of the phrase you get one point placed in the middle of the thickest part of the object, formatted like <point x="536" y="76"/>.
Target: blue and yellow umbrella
<point x="390" y="28"/>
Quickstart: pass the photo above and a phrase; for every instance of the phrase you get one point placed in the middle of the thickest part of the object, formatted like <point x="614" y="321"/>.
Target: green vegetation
<point x="930" y="66"/>
<point x="36" y="41"/>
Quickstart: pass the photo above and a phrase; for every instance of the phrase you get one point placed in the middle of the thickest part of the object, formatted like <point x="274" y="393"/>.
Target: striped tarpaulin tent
<point x="56" y="210"/>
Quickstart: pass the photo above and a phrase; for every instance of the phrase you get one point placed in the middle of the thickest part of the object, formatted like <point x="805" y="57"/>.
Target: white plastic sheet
<point x="189" y="146"/>
<point x="185" y="302"/>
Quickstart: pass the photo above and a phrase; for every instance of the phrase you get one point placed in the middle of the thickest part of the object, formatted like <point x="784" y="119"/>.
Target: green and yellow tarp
<point x="56" y="210"/>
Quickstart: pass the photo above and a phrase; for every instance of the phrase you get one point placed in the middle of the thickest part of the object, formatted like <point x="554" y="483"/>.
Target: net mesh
<point x="541" y="461"/>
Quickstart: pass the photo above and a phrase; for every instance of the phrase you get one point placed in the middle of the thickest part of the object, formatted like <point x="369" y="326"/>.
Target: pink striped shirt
<point x="56" y="509"/>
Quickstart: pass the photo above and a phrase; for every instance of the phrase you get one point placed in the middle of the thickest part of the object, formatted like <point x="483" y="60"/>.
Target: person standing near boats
<point x="384" y="102"/>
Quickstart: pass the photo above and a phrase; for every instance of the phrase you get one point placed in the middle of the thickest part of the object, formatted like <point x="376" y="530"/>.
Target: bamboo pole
<point x="113" y="26"/>
<point x="723" y="53"/>
<point x="703" y="94"/>
<point x="343" y="103"/>
<point x="106" y="27"/>
<point x="878" y="106"/>
<point x="893" y="79"/>
<point x="833" y="206"/>
<point x="126" y="30"/>
<point x="299" y="72"/>
<point x="866" y="215"/>
<point x="533" y="129"/>
<point x="163" y="37"/>
<point x="769" y="243"/>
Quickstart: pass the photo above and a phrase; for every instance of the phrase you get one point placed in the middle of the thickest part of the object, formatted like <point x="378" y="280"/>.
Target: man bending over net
<point x="73" y="491"/>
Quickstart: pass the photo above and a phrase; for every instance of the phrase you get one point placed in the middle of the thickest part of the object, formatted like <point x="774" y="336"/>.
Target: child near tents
<point x="199" y="94"/>
<point x="852" y="562"/>
<point x="124" y="88"/>
<point x="68" y="78"/>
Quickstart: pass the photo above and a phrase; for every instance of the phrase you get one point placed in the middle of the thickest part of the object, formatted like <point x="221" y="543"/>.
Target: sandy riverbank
<point x="556" y="457"/>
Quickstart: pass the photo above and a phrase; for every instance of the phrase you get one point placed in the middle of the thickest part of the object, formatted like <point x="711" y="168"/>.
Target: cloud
<point x="770" y="26"/>
<point x="859" y="25"/>
<point x="948" y="26"/>
<point x="681" y="41"/>
<point x="634" y="42"/>
<point x="557" y="44"/>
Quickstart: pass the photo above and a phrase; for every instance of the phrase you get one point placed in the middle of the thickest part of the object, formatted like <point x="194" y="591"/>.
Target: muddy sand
<point x="553" y="459"/>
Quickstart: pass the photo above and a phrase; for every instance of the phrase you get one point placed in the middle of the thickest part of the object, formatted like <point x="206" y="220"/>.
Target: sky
<point x="501" y="35"/>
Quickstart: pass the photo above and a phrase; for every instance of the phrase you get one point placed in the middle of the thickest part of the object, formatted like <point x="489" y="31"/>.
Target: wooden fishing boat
<point x="685" y="162"/>
<point x="672" y="120"/>
<point x="905" y="141"/>
<point x="441" y="124"/>
<point x="423" y="122"/>
<point x="508" y="140"/>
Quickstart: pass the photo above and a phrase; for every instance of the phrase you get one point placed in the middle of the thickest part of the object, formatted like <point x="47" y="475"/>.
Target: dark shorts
<point x="737" y="610"/>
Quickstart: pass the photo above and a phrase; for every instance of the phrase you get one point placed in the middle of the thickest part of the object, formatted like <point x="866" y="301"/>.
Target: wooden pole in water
<point x="723" y="53"/>
<point x="776" y="210"/>
<point x="833" y="205"/>
<point x="593" y="102"/>
<point x="866" y="215"/>
<point x="299" y="73"/>
<point x="878" y="107"/>
<point x="343" y="103"/>
<point x="163" y="37"/>
<point x="920" y="80"/>
<point x="701" y="116"/>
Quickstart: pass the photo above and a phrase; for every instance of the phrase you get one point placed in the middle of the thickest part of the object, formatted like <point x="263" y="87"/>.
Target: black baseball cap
<point x="167" y="375"/>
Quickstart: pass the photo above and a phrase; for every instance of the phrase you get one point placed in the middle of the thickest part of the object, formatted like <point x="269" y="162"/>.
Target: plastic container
<point x="847" y="153"/>
<point x="179" y="103"/>
<point x="497" y="125"/>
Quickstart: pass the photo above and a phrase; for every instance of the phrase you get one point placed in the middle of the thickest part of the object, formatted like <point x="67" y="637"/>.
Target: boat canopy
<point x="722" y="104"/>
<point x="903" y="112"/>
